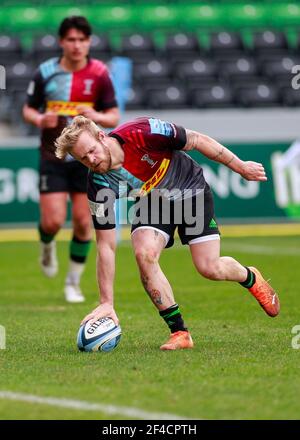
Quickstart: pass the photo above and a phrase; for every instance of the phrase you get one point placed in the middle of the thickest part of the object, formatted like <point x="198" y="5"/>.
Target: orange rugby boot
<point x="265" y="294"/>
<point x="178" y="340"/>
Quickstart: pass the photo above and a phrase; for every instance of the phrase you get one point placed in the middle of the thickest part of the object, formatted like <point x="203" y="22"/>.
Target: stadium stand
<point x="186" y="54"/>
<point x="45" y="47"/>
<point x="137" y="46"/>
<point x="10" y="49"/>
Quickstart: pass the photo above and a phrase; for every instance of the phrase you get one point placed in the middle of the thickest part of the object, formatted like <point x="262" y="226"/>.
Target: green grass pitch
<point x="243" y="365"/>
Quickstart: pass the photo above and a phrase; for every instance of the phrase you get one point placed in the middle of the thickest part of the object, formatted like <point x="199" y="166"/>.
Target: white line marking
<point x="82" y="405"/>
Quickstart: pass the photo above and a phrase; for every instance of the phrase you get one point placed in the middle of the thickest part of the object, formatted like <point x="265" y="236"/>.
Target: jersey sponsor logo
<point x="88" y="86"/>
<point x="66" y="108"/>
<point x="97" y="209"/>
<point x="157" y="126"/>
<point x="157" y="177"/>
<point x="147" y="158"/>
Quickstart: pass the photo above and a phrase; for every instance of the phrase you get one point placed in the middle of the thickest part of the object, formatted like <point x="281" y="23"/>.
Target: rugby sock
<point x="44" y="237"/>
<point x="78" y="253"/>
<point x="79" y="249"/>
<point x="250" y="280"/>
<point x="75" y="272"/>
<point x="173" y="318"/>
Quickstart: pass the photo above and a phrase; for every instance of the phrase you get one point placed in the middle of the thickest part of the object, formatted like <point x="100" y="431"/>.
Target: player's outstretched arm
<point x="106" y="248"/>
<point x="212" y="149"/>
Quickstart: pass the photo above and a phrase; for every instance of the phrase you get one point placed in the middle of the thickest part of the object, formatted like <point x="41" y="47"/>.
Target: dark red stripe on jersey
<point x="134" y="135"/>
<point x="142" y="140"/>
<point x="128" y="134"/>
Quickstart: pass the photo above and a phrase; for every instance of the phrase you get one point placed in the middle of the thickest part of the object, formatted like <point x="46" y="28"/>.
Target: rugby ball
<point x="102" y="335"/>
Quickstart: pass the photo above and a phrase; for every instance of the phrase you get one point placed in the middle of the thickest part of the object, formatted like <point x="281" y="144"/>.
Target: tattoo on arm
<point x="219" y="154"/>
<point x="230" y="160"/>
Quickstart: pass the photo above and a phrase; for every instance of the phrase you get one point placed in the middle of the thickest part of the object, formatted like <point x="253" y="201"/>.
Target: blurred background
<point x="226" y="68"/>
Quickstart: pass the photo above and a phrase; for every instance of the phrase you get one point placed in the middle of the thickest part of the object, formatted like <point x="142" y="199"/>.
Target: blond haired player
<point x="149" y="155"/>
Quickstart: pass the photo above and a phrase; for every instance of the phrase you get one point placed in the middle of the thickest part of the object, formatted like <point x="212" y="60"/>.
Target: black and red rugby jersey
<point x="55" y="89"/>
<point x="152" y="160"/>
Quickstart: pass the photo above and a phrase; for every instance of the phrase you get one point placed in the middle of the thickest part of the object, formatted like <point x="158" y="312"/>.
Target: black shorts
<point x="196" y="223"/>
<point x="62" y="177"/>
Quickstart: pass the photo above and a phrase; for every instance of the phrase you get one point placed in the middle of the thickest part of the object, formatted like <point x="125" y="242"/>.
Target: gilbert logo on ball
<point x="102" y="335"/>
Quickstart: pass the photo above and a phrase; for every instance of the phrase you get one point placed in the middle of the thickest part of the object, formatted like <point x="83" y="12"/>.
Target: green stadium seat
<point x="55" y="15"/>
<point x="285" y="14"/>
<point x="105" y="18"/>
<point x="246" y="15"/>
<point x="138" y="3"/>
<point x="159" y="17"/>
<point x="200" y="16"/>
<point x="229" y="2"/>
<point x="22" y="19"/>
<point x="4" y="20"/>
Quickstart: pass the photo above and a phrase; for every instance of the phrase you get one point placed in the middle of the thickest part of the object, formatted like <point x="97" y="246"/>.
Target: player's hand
<point x="88" y="112"/>
<point x="48" y="120"/>
<point x="102" y="311"/>
<point x="253" y="171"/>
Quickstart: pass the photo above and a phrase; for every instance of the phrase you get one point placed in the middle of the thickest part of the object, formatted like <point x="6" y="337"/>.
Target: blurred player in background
<point x="150" y="155"/>
<point x="61" y="89"/>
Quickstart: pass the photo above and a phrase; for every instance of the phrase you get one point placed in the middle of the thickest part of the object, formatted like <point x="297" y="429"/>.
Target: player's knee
<point x="146" y="256"/>
<point x="210" y="269"/>
<point x="52" y="225"/>
<point x="82" y="225"/>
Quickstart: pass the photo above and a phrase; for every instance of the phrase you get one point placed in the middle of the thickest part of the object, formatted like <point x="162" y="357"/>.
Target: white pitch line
<point x="89" y="406"/>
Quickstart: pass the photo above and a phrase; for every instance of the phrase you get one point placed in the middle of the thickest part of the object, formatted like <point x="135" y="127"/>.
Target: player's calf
<point x="48" y="259"/>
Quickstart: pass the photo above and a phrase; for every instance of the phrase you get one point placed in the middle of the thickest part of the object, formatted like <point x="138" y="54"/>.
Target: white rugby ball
<point x="102" y="335"/>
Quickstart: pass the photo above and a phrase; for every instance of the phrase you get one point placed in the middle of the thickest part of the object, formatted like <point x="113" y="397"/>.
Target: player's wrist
<point x="38" y="120"/>
<point x="107" y="303"/>
<point x="237" y="165"/>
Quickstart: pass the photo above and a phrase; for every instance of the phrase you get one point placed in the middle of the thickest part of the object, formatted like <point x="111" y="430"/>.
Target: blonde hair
<point x="70" y="134"/>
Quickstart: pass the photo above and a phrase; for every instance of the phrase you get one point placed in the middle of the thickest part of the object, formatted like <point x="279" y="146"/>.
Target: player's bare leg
<point x="148" y="244"/>
<point x="52" y="217"/>
<point x="207" y="260"/>
<point x="79" y="247"/>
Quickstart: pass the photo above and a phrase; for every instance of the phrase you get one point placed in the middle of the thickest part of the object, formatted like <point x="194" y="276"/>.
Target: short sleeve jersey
<point x="151" y="160"/>
<point x="54" y="89"/>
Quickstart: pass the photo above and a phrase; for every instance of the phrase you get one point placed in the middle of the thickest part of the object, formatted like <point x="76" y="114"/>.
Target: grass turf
<point x="242" y="366"/>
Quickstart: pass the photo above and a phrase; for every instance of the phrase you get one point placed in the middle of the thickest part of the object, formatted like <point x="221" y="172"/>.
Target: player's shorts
<point x="62" y="177"/>
<point x="204" y="228"/>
